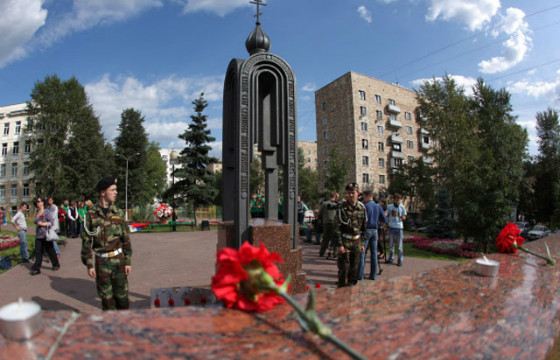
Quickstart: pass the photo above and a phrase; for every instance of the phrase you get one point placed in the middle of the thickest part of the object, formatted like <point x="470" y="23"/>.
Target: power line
<point x="436" y="51"/>
<point x="524" y="70"/>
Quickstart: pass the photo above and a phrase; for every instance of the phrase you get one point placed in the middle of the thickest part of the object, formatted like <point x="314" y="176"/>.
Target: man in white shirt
<point x="396" y="214"/>
<point x="21" y="227"/>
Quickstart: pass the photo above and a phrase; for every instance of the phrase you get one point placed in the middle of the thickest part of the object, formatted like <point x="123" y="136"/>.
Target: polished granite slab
<point x="447" y="313"/>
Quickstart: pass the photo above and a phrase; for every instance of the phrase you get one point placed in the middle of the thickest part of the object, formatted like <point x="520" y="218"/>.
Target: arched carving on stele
<point x="259" y="108"/>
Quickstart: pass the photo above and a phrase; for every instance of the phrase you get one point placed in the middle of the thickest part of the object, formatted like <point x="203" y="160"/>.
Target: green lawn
<point x="13" y="253"/>
<point x="410" y="250"/>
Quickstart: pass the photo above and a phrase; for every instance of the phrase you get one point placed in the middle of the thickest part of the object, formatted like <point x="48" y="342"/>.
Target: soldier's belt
<point x="109" y="254"/>
<point x="351" y="237"/>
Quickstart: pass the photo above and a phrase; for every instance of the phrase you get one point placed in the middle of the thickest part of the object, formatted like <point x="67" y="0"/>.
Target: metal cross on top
<point x="259" y="3"/>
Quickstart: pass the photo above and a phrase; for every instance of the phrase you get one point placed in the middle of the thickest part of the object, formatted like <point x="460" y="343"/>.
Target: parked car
<point x="524" y="227"/>
<point x="537" y="232"/>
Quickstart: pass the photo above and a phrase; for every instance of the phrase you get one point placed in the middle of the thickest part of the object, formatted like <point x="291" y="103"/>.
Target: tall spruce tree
<point x="196" y="184"/>
<point x="132" y="144"/>
<point x="547" y="187"/>
<point x="67" y="145"/>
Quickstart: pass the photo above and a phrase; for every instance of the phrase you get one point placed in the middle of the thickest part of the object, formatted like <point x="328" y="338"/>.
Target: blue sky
<point x="157" y="55"/>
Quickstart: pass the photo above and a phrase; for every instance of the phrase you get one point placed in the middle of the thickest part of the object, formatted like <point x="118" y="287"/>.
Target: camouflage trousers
<point x="112" y="282"/>
<point x="348" y="264"/>
<point x="329" y="238"/>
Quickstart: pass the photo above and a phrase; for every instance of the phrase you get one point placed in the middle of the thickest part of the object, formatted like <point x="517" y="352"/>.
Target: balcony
<point x="397" y="154"/>
<point x="394" y="122"/>
<point x="396" y="138"/>
<point x="424" y="132"/>
<point x="426" y="146"/>
<point x="427" y="160"/>
<point x="393" y="109"/>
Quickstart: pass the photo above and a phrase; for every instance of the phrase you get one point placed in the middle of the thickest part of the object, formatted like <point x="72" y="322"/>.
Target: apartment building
<point x="309" y="149"/>
<point x="372" y="125"/>
<point x="16" y="183"/>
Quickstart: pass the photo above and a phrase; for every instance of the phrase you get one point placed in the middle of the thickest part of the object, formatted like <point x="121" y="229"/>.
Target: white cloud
<point x="166" y="103"/>
<point x="465" y="82"/>
<point x="473" y="13"/>
<point x="220" y="7"/>
<point x="216" y="149"/>
<point x="365" y="14"/>
<point x="537" y="89"/>
<point x="86" y="14"/>
<point x="309" y="87"/>
<point x="19" y="20"/>
<point x="516" y="46"/>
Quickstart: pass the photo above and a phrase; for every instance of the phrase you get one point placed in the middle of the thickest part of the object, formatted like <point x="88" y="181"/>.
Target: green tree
<point x="308" y="182"/>
<point x="132" y="144"/>
<point x="336" y="172"/>
<point x="256" y="181"/>
<point x="156" y="172"/>
<point x="68" y="153"/>
<point x="196" y="185"/>
<point x="547" y="185"/>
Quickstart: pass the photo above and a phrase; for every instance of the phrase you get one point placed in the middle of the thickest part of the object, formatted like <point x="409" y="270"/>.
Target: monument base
<point x="275" y="235"/>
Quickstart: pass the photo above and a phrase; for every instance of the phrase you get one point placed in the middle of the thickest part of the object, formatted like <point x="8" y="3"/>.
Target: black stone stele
<point x="259" y="109"/>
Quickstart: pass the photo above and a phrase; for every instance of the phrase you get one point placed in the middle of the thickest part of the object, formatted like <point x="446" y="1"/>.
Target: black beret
<point x="104" y="183"/>
<point x="352" y="187"/>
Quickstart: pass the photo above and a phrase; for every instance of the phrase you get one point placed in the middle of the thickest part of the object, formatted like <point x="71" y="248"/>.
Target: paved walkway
<point x="159" y="260"/>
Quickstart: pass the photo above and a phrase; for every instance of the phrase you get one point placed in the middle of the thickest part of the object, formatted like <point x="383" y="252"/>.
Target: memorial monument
<point x="259" y="113"/>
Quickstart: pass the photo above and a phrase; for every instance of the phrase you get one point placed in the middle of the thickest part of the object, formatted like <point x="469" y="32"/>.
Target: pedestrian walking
<point x="327" y="219"/>
<point x="396" y="215"/>
<point x="53" y="209"/>
<point x="375" y="219"/>
<point x="43" y="220"/>
<point x="106" y="248"/>
<point x="352" y="221"/>
<point x="21" y="227"/>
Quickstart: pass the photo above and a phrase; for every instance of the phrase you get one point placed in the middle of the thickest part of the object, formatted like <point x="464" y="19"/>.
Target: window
<point x="380" y="130"/>
<point x="14" y="169"/>
<point x="14" y="190"/>
<point x="426" y="139"/>
<point x="378" y="99"/>
<point x="410" y="144"/>
<point x="325" y="121"/>
<point x="325" y="135"/>
<point x="6" y="128"/>
<point x="362" y="95"/>
<point x="2" y="170"/>
<point x="382" y="179"/>
<point x="407" y="115"/>
<point x="4" y="149"/>
<point x="381" y="163"/>
<point x="392" y="102"/>
<point x="378" y="115"/>
<point x="365" y="178"/>
<point x="26" y="190"/>
<point x="15" y="148"/>
<point x="2" y="192"/>
<point x="396" y="146"/>
<point x="27" y="148"/>
<point x="365" y="160"/>
<point x="363" y="111"/>
<point x="396" y="162"/>
<point x="323" y="106"/>
<point x="392" y="117"/>
<point x="25" y="169"/>
<point x="18" y="127"/>
<point x="380" y="146"/>
<point x="364" y="144"/>
<point x="363" y="126"/>
<point x="409" y="130"/>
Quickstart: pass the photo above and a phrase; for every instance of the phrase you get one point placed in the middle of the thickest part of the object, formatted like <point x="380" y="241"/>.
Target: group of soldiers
<point x="350" y="228"/>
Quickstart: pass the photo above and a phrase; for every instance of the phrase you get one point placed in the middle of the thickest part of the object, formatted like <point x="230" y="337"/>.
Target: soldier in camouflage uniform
<point x="106" y="249"/>
<point x="327" y="219"/>
<point x="352" y="221"/>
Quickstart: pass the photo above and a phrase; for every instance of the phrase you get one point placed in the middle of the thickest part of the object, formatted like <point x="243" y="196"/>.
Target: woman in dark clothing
<point x="43" y="219"/>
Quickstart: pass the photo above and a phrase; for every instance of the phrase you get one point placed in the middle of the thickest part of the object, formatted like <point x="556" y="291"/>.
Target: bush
<point x="453" y="247"/>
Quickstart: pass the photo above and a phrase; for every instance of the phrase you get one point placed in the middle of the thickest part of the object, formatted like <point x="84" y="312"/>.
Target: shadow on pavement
<point x="52" y="305"/>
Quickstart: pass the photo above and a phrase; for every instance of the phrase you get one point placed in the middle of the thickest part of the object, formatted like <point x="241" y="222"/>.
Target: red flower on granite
<point x="509" y="239"/>
<point x="243" y="278"/>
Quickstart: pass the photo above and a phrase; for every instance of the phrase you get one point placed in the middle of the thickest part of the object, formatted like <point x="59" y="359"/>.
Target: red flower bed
<point x="453" y="247"/>
<point x="6" y="244"/>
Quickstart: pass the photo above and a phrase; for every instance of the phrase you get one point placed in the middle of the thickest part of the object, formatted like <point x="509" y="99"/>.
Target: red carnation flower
<point x="242" y="277"/>
<point x="509" y="239"/>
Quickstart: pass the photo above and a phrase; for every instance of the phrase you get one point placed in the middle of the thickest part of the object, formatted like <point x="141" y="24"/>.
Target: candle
<point x="487" y="267"/>
<point x="20" y="320"/>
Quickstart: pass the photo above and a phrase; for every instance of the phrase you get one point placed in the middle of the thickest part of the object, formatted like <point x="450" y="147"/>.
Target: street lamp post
<point x="173" y="159"/>
<point x="127" y="158"/>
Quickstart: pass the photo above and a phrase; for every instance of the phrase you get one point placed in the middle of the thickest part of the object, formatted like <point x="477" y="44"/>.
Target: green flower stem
<point x="549" y="260"/>
<point x="316" y="326"/>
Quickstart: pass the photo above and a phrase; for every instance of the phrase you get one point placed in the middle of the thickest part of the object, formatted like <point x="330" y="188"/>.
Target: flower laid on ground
<point x="248" y="279"/>
<point x="163" y="211"/>
<point x="509" y="240"/>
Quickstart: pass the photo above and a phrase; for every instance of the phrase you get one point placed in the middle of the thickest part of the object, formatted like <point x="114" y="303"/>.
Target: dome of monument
<point x="257" y="41"/>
